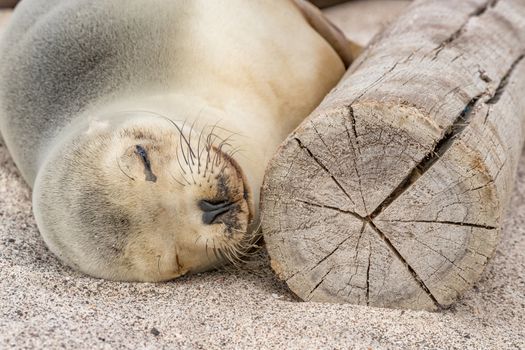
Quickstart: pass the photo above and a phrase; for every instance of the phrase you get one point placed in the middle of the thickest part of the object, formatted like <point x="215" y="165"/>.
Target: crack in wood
<point x="320" y="282"/>
<point x="431" y="157"/>
<point x="465" y="224"/>
<point x="357" y="216"/>
<point x="352" y="120"/>
<point x="504" y="81"/>
<point x="478" y="12"/>
<point x="322" y="140"/>
<point x="375" y="83"/>
<point x="305" y="148"/>
<point x="410" y="269"/>
<point x="354" y="130"/>
<point x="368" y="220"/>
<point x="452" y="262"/>
<point x="368" y="272"/>
<point x="388" y="242"/>
<point x="444" y="144"/>
<point x="337" y="248"/>
<point x="356" y="264"/>
<point x="480" y="254"/>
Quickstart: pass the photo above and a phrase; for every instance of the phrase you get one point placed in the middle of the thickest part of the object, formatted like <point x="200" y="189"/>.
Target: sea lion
<point x="144" y="126"/>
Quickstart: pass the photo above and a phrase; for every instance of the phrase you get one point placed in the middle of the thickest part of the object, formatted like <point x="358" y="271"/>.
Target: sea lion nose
<point x="213" y="210"/>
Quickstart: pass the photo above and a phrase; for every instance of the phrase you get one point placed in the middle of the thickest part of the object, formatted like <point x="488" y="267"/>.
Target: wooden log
<point x="392" y="192"/>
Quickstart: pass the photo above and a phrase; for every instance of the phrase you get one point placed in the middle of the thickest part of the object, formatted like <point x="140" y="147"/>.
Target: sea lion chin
<point x="158" y="200"/>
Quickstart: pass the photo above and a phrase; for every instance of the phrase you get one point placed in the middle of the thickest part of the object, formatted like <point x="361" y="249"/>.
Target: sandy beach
<point x="44" y="304"/>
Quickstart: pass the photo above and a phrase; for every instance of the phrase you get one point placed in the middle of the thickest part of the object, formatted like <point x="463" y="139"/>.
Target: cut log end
<point x="392" y="192"/>
<point x="361" y="212"/>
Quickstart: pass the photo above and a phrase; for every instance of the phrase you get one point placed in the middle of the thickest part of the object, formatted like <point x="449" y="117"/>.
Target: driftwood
<point x="392" y="192"/>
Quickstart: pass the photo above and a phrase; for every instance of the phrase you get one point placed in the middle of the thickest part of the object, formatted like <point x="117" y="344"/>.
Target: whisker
<point x="198" y="151"/>
<point x="181" y="145"/>
<point x="180" y="183"/>
<point x="240" y="252"/>
<point x="189" y="141"/>
<point x="231" y="155"/>
<point x="208" y="147"/>
<point x="178" y="160"/>
<point x="199" y="237"/>
<point x="190" y="150"/>
<point x="223" y="256"/>
<point x="235" y="150"/>
<point x="224" y="142"/>
<point x="123" y="172"/>
<point x="228" y="130"/>
<point x="216" y="254"/>
<point x="212" y="131"/>
<point x="206" y="249"/>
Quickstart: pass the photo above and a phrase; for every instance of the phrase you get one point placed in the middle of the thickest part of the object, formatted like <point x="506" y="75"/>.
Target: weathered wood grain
<point x="392" y="192"/>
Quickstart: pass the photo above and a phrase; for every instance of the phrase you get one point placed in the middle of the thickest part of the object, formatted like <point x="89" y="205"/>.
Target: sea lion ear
<point x="345" y="48"/>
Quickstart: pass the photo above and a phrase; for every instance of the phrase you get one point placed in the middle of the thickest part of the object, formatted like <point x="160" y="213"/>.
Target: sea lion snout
<point x="227" y="202"/>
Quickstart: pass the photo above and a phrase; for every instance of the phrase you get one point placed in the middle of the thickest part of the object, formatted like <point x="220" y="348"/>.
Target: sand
<point x="44" y="304"/>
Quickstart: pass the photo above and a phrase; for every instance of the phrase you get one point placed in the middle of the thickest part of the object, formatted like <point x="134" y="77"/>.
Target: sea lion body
<point x="119" y="113"/>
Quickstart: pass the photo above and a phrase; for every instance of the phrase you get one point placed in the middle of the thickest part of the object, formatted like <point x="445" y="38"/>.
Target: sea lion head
<point x="147" y="199"/>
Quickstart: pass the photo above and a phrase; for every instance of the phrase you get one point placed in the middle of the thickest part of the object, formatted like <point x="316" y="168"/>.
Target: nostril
<point x="213" y="210"/>
<point x="212" y="205"/>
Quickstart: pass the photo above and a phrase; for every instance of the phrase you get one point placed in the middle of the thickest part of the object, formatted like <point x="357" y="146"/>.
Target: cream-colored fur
<point x="99" y="80"/>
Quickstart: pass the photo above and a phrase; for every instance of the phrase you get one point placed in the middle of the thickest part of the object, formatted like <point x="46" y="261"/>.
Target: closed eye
<point x="143" y="154"/>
